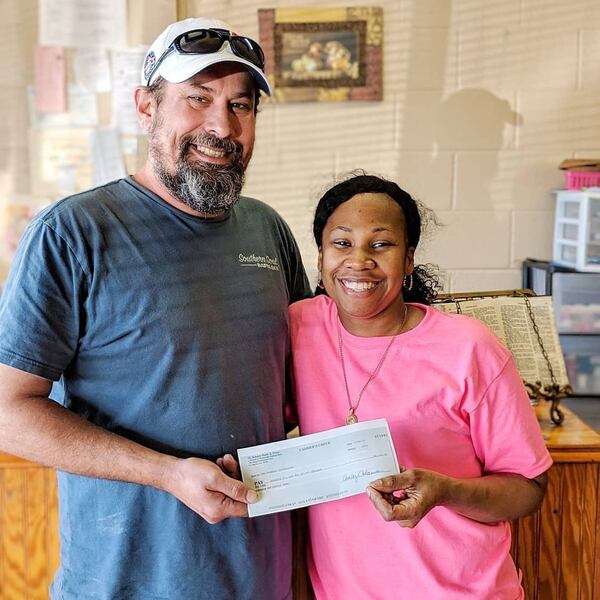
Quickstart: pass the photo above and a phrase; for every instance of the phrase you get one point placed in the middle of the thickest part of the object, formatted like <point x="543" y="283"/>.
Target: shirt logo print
<point x="258" y="261"/>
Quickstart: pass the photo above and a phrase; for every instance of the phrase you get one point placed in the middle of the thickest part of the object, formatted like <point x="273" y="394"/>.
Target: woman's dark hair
<point x="425" y="282"/>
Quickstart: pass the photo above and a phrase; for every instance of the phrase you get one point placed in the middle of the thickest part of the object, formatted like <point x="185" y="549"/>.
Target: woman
<point x="471" y="450"/>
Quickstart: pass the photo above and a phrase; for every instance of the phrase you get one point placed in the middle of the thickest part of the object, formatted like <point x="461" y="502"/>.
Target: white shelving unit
<point x="577" y="230"/>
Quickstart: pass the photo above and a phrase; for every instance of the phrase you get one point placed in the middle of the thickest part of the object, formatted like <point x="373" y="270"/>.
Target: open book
<point x="509" y="318"/>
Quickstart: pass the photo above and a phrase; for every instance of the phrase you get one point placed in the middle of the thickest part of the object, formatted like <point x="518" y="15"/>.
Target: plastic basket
<point x="576" y="180"/>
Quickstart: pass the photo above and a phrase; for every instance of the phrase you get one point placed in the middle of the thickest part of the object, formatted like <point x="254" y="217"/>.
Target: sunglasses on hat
<point x="207" y="41"/>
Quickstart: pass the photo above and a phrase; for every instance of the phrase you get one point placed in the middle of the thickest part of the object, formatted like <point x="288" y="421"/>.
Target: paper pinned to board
<point x="50" y="79"/>
<point x="82" y="110"/>
<point x="92" y="69"/>
<point x="126" y="69"/>
<point x="107" y="156"/>
<point x="83" y="23"/>
<point x="60" y="161"/>
<point x="145" y="25"/>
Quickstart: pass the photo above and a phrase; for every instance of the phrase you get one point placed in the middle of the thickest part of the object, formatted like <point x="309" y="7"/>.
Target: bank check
<point x="319" y="467"/>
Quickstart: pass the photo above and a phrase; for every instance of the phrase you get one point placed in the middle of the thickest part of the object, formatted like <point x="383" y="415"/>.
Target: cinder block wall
<point x="482" y="100"/>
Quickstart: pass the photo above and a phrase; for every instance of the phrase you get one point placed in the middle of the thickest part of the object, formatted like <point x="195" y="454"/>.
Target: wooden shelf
<point x="573" y="441"/>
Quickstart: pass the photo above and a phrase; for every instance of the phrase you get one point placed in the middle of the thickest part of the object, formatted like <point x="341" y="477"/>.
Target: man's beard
<point x="205" y="187"/>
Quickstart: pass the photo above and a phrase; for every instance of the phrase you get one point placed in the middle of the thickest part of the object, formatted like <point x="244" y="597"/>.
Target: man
<point x="159" y="304"/>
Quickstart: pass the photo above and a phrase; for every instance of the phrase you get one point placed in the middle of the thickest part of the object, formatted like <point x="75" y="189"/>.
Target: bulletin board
<point x="72" y="66"/>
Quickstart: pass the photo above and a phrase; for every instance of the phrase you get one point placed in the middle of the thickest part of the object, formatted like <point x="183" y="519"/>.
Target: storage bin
<point x="576" y="300"/>
<point x="576" y="180"/>
<point x="577" y="230"/>
<point x="583" y="363"/>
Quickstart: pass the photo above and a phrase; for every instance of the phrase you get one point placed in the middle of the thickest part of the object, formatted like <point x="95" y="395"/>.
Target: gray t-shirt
<point x="170" y="330"/>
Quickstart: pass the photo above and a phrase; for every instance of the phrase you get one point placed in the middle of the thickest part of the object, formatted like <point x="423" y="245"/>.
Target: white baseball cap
<point x="177" y="67"/>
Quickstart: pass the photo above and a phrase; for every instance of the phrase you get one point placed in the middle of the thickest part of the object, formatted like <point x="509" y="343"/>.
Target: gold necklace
<point x="352" y="418"/>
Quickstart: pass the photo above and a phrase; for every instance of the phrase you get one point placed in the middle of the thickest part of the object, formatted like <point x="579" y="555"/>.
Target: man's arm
<point x="38" y="429"/>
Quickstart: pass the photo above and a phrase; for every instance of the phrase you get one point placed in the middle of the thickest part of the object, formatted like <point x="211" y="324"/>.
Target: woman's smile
<point x="358" y="286"/>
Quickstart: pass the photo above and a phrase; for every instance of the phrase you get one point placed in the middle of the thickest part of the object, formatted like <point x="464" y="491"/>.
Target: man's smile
<point x="210" y="151"/>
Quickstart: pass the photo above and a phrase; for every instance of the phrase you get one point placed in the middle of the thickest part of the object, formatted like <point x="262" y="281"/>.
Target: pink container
<point x="576" y="180"/>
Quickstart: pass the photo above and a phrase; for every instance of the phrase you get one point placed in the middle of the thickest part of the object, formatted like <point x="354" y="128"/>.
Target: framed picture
<point x="323" y="55"/>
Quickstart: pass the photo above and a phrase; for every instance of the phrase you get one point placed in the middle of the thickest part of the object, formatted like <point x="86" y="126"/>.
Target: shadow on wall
<point x="468" y="131"/>
<point x="475" y="120"/>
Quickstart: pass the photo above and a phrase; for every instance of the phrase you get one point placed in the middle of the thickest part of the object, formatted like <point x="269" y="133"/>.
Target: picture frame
<point x="323" y="54"/>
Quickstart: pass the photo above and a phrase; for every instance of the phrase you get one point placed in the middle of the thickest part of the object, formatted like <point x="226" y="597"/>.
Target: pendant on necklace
<point x="351" y="419"/>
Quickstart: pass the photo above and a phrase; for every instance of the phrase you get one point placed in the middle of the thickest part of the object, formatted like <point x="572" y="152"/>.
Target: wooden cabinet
<point x="558" y="549"/>
<point x="28" y="529"/>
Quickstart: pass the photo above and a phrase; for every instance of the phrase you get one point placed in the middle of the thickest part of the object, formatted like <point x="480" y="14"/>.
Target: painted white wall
<point x="482" y="100"/>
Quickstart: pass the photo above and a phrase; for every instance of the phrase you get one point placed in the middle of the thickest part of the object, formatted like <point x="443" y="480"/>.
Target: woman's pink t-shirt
<point x="455" y="403"/>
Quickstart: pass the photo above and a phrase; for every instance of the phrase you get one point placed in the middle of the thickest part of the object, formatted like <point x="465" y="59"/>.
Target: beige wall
<point x="482" y="99"/>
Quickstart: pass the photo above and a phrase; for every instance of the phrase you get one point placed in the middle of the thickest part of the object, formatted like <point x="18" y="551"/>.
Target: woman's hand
<point x="408" y="496"/>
